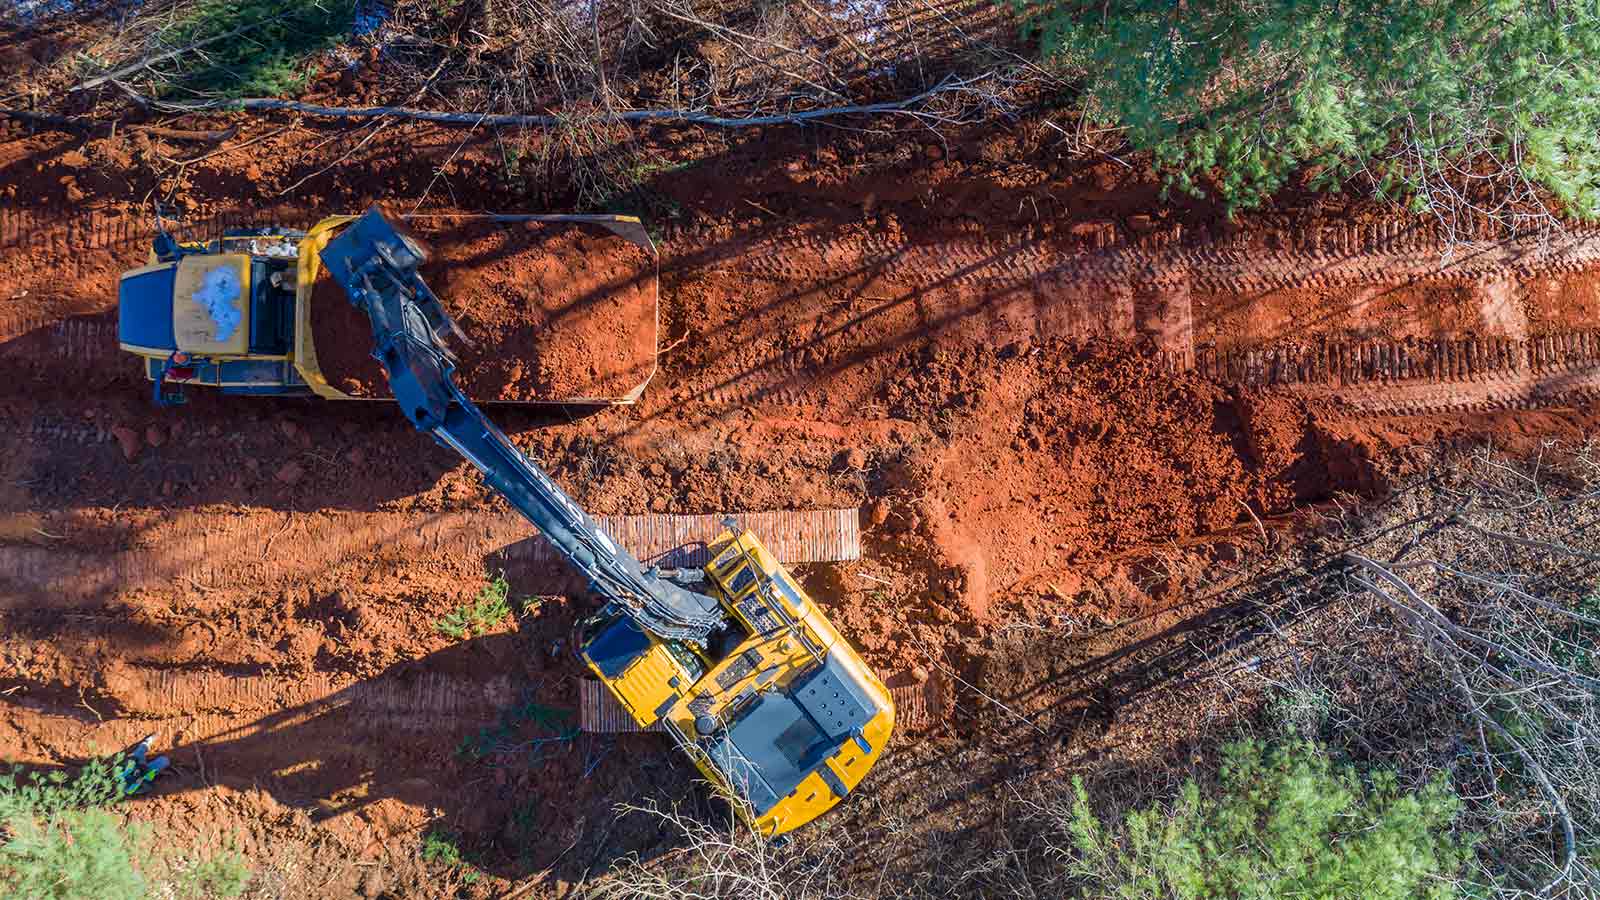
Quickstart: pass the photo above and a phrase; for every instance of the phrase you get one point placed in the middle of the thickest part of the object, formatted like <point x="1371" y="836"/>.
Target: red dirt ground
<point x="1018" y="402"/>
<point x="552" y="311"/>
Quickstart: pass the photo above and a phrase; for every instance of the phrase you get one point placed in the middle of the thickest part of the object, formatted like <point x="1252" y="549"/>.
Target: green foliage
<point x="441" y="847"/>
<point x="59" y="839"/>
<point x="268" y="57"/>
<point x="59" y="842"/>
<point x="74" y="853"/>
<point x="1283" y="821"/>
<point x="43" y="795"/>
<point x="1239" y="94"/>
<point x="1579" y="642"/>
<point x="481" y="615"/>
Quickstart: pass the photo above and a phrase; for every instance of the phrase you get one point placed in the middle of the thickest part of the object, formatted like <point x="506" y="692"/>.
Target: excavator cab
<point x="775" y="708"/>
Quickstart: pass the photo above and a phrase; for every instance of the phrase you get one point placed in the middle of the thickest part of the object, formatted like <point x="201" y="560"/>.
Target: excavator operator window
<point x="616" y="647"/>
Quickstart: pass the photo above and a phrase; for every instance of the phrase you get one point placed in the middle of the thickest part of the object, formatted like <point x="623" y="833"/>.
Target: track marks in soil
<point x="1161" y="285"/>
<point x="1352" y="256"/>
<point x="420" y="701"/>
<point x="1426" y="376"/>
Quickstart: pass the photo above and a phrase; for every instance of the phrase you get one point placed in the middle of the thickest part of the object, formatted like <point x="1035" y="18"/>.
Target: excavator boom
<point x="377" y="267"/>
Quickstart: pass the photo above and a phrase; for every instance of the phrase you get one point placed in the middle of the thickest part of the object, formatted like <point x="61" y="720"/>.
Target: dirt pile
<point x="553" y="311"/>
<point x="1074" y="482"/>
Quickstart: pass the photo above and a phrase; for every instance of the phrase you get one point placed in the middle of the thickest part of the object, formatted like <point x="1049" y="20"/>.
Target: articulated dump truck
<point x="733" y="660"/>
<point x="253" y="312"/>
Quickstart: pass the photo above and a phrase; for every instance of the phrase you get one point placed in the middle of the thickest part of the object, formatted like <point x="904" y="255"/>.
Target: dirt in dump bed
<point x="553" y="311"/>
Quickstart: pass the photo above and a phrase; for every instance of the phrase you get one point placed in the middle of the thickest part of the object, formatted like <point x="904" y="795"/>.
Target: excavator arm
<point x="377" y="267"/>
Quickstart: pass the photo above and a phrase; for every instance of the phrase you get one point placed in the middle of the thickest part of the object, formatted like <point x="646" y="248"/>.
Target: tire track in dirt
<point x="1142" y="284"/>
<point x="1104" y="256"/>
<point x="1415" y="377"/>
<point x="1333" y="258"/>
<point x="1096" y="286"/>
<point x="197" y="550"/>
<point x="273" y="714"/>
<point x="420" y="701"/>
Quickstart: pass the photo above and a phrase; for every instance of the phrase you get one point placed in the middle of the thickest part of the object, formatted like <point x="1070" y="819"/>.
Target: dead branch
<point x="1437" y="631"/>
<point x="92" y="126"/>
<point x="1424" y="610"/>
<point x="905" y="106"/>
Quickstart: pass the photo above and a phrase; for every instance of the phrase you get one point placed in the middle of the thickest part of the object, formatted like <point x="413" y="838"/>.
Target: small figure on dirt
<point x="136" y="770"/>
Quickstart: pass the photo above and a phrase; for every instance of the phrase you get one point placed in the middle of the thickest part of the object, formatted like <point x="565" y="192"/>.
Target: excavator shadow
<point x="531" y="564"/>
<point x="477" y="741"/>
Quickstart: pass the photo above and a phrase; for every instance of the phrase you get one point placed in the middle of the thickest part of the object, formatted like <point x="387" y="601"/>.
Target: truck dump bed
<point x="559" y="309"/>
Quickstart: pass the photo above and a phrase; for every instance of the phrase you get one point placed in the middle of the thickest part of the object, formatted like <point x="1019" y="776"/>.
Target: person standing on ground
<point x="137" y="770"/>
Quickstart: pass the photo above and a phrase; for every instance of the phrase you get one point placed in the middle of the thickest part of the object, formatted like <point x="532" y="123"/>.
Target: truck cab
<point x="219" y="314"/>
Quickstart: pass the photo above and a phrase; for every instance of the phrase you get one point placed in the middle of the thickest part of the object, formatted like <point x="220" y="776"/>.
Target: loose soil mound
<point x="553" y="311"/>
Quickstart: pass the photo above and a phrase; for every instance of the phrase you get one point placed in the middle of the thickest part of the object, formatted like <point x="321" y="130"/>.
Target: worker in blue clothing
<point x="137" y="770"/>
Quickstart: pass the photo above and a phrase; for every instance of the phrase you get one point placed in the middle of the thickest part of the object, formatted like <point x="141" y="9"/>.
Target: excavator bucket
<point x="377" y="267"/>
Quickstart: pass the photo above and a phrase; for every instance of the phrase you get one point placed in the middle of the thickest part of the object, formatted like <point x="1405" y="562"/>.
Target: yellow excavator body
<point x="785" y="722"/>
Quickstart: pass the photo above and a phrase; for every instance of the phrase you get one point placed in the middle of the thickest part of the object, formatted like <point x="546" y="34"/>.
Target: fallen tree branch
<point x="1440" y="621"/>
<point x="681" y="116"/>
<point x="1438" y="633"/>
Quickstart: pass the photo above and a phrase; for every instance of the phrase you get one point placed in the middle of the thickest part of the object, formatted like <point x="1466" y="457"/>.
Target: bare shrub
<point x="1445" y="634"/>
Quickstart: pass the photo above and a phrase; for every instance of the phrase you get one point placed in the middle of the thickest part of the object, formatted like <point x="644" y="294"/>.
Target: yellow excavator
<point x="733" y="660"/>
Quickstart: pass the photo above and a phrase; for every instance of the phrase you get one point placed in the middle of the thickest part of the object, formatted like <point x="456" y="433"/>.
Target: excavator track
<point x="201" y="549"/>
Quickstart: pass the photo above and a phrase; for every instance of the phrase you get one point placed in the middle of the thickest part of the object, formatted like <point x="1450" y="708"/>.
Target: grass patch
<point x="60" y="838"/>
<point x="480" y="616"/>
<point x="442" y="847"/>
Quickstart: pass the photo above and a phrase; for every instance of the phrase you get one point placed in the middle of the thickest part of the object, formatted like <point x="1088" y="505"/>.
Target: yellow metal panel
<point x="309" y="267"/>
<point x="643" y="687"/>
<point x="207" y="283"/>
<point x="813" y="797"/>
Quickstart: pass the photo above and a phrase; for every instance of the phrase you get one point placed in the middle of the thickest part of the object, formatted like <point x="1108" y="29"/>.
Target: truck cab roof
<point x="206" y="304"/>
